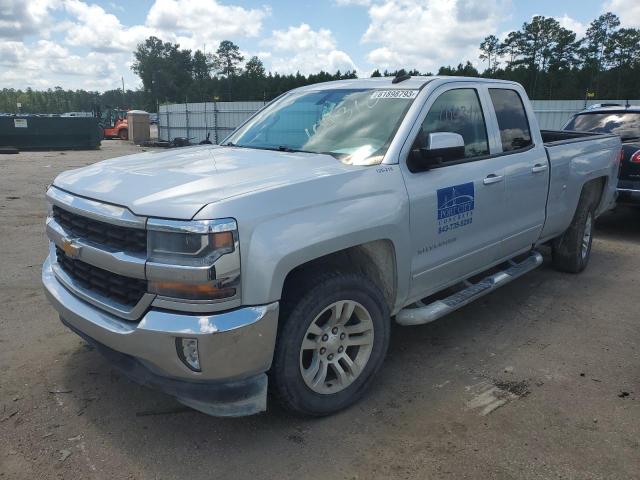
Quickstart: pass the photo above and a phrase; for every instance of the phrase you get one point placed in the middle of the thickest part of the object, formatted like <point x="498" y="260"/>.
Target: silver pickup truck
<point x="283" y="255"/>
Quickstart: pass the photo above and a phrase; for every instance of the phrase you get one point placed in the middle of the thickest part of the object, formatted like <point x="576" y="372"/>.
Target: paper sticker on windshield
<point x="395" y="94"/>
<point x="455" y="207"/>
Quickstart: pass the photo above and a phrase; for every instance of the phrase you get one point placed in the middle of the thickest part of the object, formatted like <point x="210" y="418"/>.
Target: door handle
<point x="538" y="167"/>
<point x="493" y="178"/>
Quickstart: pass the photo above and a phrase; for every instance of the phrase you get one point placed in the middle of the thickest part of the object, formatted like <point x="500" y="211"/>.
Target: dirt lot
<point x="540" y="379"/>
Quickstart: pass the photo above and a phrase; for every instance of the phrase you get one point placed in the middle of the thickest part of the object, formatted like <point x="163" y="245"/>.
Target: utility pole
<point x="123" y="94"/>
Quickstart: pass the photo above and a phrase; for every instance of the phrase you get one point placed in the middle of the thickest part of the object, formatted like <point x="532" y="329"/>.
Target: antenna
<point x="401" y="78"/>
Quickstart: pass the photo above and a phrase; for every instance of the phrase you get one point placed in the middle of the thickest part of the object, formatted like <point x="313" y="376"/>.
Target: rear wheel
<point x="123" y="134"/>
<point x="572" y="250"/>
<point x="332" y="341"/>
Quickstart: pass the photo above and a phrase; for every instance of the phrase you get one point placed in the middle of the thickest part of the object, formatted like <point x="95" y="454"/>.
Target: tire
<point x="123" y="134"/>
<point x="318" y="301"/>
<point x="572" y="250"/>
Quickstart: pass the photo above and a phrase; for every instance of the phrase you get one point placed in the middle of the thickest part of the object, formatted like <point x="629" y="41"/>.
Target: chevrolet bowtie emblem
<point x="70" y="249"/>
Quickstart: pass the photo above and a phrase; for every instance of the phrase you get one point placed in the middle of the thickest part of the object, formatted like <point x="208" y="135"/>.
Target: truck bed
<point x="574" y="158"/>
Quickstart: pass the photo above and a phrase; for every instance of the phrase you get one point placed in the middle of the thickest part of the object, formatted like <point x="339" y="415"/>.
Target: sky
<point x="88" y="44"/>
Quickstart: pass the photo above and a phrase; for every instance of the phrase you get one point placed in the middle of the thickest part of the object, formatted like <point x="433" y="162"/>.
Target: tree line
<point x="171" y="74"/>
<point x="57" y="100"/>
<point x="549" y="60"/>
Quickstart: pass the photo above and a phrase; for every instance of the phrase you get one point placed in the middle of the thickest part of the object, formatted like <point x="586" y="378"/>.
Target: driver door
<point x="456" y="208"/>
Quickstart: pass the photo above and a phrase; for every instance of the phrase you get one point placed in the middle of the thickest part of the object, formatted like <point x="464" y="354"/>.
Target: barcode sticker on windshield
<point x="395" y="94"/>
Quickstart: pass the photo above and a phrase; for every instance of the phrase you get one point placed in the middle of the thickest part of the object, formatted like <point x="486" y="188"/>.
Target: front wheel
<point x="331" y="344"/>
<point x="123" y="134"/>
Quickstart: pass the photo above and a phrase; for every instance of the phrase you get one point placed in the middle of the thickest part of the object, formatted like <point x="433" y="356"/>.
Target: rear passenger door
<point x="456" y="208"/>
<point x="526" y="171"/>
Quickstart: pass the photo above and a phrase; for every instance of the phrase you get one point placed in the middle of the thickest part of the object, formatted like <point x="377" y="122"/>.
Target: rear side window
<point x="458" y="111"/>
<point x="512" y="119"/>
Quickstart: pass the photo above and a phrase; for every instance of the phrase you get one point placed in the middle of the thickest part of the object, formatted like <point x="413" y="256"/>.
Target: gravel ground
<point x="540" y="379"/>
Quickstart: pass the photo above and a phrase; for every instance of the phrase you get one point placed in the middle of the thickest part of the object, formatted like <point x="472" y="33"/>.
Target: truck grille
<point x="124" y="239"/>
<point x="120" y="289"/>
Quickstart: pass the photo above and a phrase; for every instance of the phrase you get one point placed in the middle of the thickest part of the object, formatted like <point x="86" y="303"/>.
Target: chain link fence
<point x="196" y="120"/>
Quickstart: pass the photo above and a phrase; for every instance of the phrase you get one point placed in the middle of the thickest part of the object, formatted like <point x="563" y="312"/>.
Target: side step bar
<point x="439" y="308"/>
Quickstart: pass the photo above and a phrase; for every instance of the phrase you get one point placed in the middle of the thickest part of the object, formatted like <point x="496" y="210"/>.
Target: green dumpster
<point x="33" y="132"/>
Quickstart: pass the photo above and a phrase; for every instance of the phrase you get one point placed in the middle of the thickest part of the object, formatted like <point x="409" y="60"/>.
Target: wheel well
<point x="376" y="260"/>
<point x="593" y="190"/>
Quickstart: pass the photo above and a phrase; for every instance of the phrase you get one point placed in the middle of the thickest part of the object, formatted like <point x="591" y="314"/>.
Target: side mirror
<point x="441" y="147"/>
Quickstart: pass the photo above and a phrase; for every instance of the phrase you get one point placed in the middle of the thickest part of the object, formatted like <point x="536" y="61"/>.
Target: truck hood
<point x="177" y="183"/>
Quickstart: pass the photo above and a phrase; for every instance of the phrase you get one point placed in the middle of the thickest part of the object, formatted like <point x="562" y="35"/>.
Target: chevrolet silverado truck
<point x="281" y="257"/>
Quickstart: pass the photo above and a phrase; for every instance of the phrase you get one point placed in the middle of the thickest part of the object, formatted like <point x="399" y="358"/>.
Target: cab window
<point x="512" y="119"/>
<point x="458" y="111"/>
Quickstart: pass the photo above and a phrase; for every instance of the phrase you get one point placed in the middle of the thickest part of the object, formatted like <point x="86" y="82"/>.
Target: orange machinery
<point x="114" y="123"/>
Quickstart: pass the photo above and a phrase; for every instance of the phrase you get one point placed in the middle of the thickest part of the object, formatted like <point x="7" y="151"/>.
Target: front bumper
<point x="235" y="349"/>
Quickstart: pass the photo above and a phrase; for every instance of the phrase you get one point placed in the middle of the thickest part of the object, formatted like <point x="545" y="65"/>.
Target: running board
<point x="439" y="308"/>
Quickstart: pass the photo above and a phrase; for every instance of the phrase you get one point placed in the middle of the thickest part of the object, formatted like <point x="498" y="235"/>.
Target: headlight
<point x="188" y="249"/>
<point x="185" y="259"/>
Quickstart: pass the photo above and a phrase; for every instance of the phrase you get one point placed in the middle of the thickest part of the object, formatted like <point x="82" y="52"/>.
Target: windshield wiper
<point x="279" y="148"/>
<point x="284" y="148"/>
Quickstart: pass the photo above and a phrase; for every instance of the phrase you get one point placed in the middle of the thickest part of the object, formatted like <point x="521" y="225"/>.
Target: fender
<point x="282" y="228"/>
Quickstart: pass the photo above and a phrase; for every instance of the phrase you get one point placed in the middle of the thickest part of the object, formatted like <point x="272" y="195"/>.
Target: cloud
<point x="574" y="25"/>
<point x="100" y="31"/>
<point x="307" y="51"/>
<point x="93" y="48"/>
<point x="21" y="18"/>
<point x="36" y="66"/>
<point x="426" y="35"/>
<point x="627" y="10"/>
<point x="301" y="38"/>
<point x="192" y="24"/>
<point x="204" y="22"/>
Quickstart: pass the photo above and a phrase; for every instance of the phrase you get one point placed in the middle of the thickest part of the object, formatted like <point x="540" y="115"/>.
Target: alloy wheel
<point x="336" y="347"/>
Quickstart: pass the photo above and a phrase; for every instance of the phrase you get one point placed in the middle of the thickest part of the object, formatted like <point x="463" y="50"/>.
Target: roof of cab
<point x="386" y="82"/>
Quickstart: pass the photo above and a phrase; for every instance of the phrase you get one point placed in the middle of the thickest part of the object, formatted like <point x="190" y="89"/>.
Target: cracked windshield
<point x="354" y="126"/>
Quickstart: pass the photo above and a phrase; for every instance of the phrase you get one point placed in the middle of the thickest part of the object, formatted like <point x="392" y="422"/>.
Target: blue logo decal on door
<point x="455" y="207"/>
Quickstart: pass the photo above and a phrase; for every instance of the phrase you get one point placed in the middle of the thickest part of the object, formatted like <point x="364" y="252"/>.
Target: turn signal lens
<point x="191" y="291"/>
<point x="222" y="241"/>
